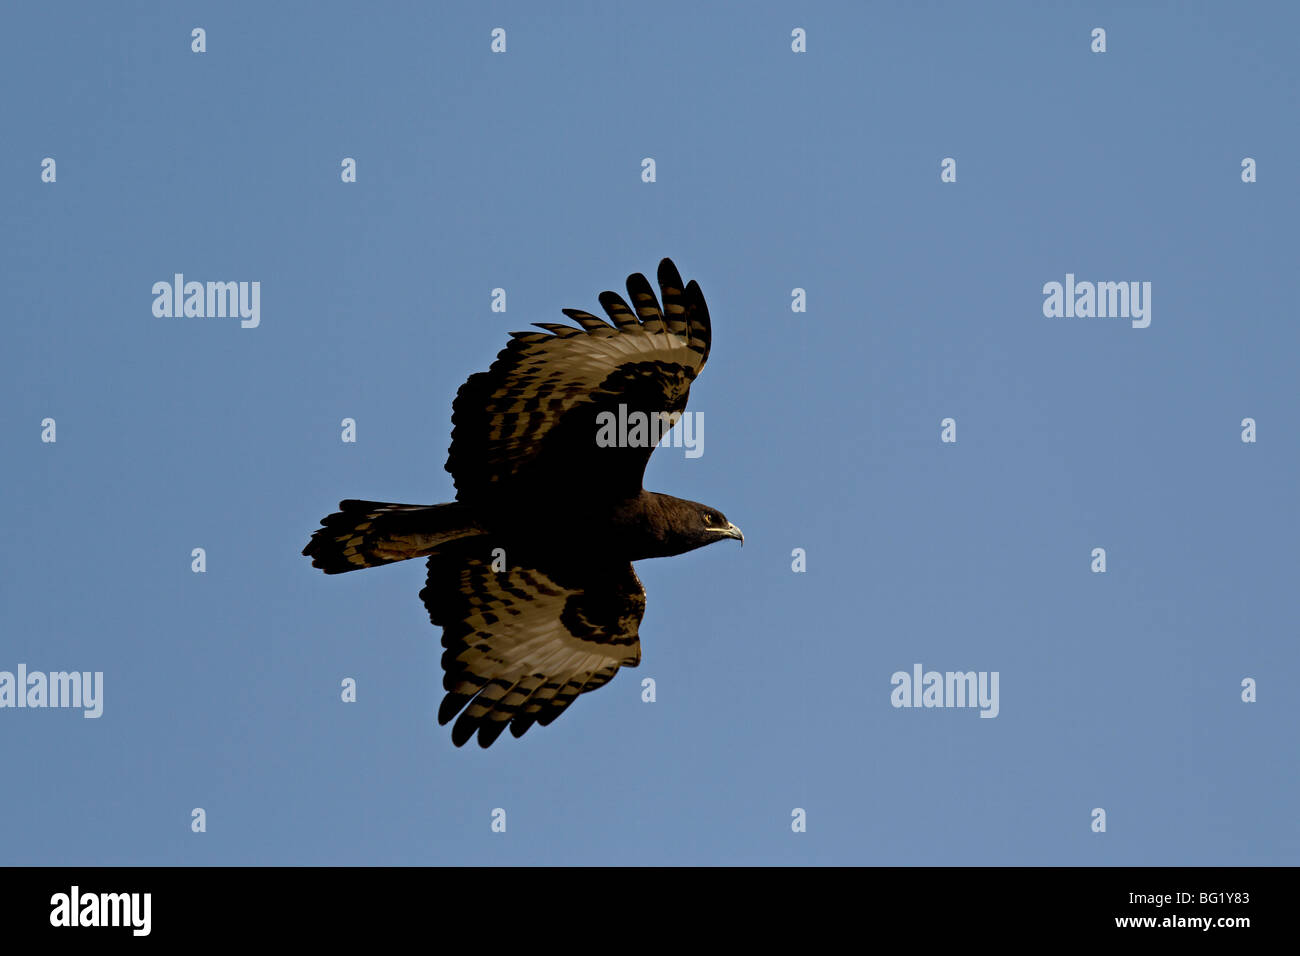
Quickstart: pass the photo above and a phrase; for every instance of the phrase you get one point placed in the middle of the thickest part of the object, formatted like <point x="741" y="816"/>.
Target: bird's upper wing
<point x="523" y="643"/>
<point x="529" y="424"/>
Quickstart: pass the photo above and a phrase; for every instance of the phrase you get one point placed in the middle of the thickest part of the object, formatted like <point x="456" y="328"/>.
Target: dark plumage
<point x="529" y="570"/>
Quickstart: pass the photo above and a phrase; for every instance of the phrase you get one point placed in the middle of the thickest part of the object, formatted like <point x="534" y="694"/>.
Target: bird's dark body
<point x="630" y="529"/>
<point x="529" y="570"/>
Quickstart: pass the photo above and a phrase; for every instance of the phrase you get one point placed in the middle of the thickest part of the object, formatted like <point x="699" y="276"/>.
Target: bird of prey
<point x="530" y="568"/>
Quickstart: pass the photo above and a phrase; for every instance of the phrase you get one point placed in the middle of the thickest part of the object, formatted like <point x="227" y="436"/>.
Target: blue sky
<point x="775" y="170"/>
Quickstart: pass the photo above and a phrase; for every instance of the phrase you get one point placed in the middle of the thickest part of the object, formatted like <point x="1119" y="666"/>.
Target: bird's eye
<point x="709" y="518"/>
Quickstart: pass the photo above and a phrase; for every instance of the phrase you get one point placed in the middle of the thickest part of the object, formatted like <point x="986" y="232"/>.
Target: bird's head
<point x="694" y="525"/>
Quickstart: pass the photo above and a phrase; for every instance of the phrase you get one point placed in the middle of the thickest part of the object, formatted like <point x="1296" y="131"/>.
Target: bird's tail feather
<point x="366" y="534"/>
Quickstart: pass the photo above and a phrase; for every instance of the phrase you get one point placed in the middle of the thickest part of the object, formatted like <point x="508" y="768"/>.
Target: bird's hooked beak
<point x="731" y="531"/>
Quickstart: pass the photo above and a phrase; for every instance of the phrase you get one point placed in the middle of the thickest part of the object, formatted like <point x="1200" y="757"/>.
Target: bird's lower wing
<point x="523" y="642"/>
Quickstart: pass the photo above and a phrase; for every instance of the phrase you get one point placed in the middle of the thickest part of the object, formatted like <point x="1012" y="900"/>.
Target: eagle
<point x="530" y="570"/>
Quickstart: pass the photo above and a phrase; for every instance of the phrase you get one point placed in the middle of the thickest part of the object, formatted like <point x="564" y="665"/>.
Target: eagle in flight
<point x="530" y="568"/>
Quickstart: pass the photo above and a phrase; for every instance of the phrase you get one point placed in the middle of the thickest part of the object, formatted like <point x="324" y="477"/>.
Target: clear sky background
<point x="775" y="170"/>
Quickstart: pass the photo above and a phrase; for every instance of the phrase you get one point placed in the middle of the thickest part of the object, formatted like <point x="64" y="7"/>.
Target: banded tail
<point x="366" y="534"/>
